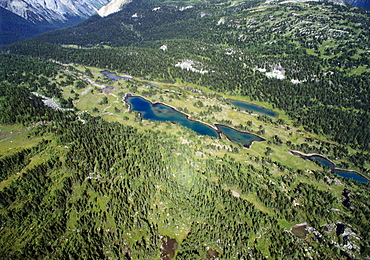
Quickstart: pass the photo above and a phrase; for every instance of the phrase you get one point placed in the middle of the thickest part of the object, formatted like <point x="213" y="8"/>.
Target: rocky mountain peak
<point x="112" y="7"/>
<point x="52" y="10"/>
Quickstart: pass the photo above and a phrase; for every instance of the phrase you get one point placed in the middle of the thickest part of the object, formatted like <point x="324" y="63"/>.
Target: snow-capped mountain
<point x="52" y="11"/>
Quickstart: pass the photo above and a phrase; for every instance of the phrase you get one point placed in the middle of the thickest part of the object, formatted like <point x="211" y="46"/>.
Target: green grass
<point x="88" y="101"/>
<point x="285" y="224"/>
<point x="179" y="224"/>
<point x="253" y="198"/>
<point x="10" y="145"/>
<point x="359" y="70"/>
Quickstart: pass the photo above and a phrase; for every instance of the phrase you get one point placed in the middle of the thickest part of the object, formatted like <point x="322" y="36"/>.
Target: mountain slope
<point x="359" y="3"/>
<point x="52" y="10"/>
<point x="320" y="49"/>
<point x="15" y="28"/>
<point x="43" y="16"/>
<point x="74" y="185"/>
<point x="83" y="175"/>
<point x="146" y="21"/>
<point x="112" y="7"/>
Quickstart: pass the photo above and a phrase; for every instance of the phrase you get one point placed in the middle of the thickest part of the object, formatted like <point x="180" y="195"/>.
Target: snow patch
<point x="263" y="70"/>
<point x="277" y="72"/>
<point x="188" y="65"/>
<point x="297" y="81"/>
<point x="50" y="102"/>
<point x="163" y="48"/>
<point x="235" y="194"/>
<point x="186" y="7"/>
<point x="221" y="21"/>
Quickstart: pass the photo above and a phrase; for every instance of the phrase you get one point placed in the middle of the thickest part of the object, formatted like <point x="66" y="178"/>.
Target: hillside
<point x="359" y="3"/>
<point x="92" y="167"/>
<point x="15" y="28"/>
<point x="316" y="53"/>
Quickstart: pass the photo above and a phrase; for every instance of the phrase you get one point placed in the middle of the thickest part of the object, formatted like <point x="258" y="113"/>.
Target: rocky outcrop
<point x="112" y="7"/>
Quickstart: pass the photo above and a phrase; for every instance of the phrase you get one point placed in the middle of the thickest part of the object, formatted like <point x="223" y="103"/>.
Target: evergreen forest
<point x="84" y="177"/>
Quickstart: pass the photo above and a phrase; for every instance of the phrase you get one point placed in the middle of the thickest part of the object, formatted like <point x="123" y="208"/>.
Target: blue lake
<point x="350" y="174"/>
<point x="327" y="163"/>
<point x="322" y="160"/>
<point x="253" y="107"/>
<point x="244" y="138"/>
<point x="162" y="112"/>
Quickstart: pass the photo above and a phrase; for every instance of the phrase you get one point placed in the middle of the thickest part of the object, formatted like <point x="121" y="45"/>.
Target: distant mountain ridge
<point x="115" y="6"/>
<point x="359" y="3"/>
<point x="143" y="20"/>
<point x="22" y="19"/>
<point x="52" y="10"/>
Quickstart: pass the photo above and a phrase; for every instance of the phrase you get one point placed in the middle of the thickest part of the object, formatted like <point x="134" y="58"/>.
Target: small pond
<point x="169" y="247"/>
<point x="244" y="138"/>
<point x="114" y="76"/>
<point x="253" y="107"/>
<point x="163" y="112"/>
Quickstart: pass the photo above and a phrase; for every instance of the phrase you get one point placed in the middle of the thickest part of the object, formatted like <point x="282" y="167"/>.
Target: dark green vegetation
<point x="74" y="185"/>
<point x="15" y="28"/>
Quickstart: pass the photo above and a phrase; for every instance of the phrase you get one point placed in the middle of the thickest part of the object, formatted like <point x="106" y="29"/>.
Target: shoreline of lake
<point x="333" y="169"/>
<point x="298" y="153"/>
<point x="351" y="171"/>
<point x="153" y="111"/>
<point x="247" y="142"/>
<point x="129" y="95"/>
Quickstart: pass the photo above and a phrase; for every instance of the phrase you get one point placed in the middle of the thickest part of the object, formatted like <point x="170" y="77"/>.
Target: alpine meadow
<point x="189" y="129"/>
